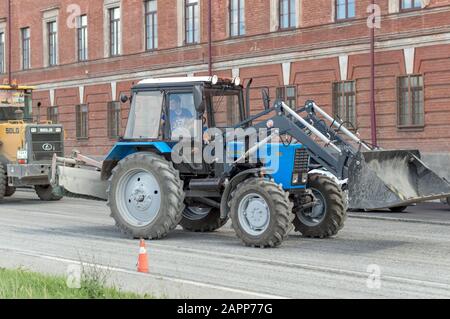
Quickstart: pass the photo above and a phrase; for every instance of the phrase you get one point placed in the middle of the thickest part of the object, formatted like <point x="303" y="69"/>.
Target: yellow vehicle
<point x="26" y="147"/>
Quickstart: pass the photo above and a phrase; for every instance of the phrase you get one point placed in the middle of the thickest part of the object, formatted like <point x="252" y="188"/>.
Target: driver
<point x="180" y="117"/>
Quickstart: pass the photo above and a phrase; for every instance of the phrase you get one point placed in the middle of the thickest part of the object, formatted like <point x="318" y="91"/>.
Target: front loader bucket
<point x="387" y="179"/>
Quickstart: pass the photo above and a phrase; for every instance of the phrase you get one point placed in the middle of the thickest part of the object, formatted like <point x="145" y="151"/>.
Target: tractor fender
<point x="236" y="180"/>
<point x="122" y="150"/>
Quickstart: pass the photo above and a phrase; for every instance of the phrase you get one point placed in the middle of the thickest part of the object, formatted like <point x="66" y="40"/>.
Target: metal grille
<point x="45" y="145"/>
<point x="301" y="167"/>
<point x="301" y="161"/>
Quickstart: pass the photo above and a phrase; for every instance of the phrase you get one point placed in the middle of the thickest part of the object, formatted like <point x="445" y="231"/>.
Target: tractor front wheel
<point x="146" y="196"/>
<point x="202" y="219"/>
<point x="261" y="213"/>
<point x="327" y="216"/>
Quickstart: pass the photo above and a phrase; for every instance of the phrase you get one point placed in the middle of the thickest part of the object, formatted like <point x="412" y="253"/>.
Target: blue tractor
<point x="149" y="193"/>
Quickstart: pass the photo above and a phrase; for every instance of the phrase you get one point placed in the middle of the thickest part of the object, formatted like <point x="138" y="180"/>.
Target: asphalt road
<point x="409" y="251"/>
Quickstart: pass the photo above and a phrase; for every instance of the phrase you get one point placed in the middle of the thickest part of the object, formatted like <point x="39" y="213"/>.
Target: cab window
<point x="182" y="115"/>
<point x="145" y="115"/>
<point x="225" y="106"/>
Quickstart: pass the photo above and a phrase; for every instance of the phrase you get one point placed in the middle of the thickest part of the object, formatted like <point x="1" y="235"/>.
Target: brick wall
<point x="312" y="51"/>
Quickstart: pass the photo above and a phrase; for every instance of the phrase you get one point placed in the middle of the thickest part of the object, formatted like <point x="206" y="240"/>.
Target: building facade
<point x="83" y="54"/>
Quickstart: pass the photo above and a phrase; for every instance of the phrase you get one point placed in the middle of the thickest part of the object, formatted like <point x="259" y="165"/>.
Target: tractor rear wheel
<point x="261" y="213"/>
<point x="47" y="193"/>
<point x="146" y="196"/>
<point x="3" y="182"/>
<point x="328" y="215"/>
<point x="202" y="219"/>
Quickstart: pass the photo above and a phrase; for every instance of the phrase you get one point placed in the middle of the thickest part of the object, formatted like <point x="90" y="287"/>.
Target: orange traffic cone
<point x="142" y="265"/>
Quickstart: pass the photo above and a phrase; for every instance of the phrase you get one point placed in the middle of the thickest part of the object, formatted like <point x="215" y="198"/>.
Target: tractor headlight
<point x="304" y="178"/>
<point x="214" y="80"/>
<point x="58" y="130"/>
<point x="237" y="81"/>
<point x="33" y="130"/>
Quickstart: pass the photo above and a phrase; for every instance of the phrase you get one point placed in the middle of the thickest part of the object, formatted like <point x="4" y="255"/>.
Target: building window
<point x="288" y="94"/>
<point x="288" y="16"/>
<point x="344" y="102"/>
<point x="2" y="52"/>
<point x="151" y="25"/>
<point x="114" y="30"/>
<point x="410" y="101"/>
<point x="82" y="34"/>
<point x="345" y="9"/>
<point x="410" y="4"/>
<point x="192" y="21"/>
<point x="52" y="114"/>
<point x="25" y="32"/>
<point x="237" y="18"/>
<point x="82" y="121"/>
<point x="114" y="119"/>
<point x="52" y="30"/>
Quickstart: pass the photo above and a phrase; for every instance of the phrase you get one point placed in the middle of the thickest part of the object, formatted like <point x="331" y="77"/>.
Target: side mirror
<point x="266" y="98"/>
<point x="198" y="99"/>
<point x="123" y="98"/>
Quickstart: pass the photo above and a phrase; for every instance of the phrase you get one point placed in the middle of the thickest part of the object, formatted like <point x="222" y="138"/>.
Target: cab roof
<point x="188" y="81"/>
<point x="178" y="80"/>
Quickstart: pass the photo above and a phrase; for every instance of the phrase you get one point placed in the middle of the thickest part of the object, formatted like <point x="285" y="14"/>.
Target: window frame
<point x="240" y="18"/>
<point x="53" y="114"/>
<point x="52" y="36"/>
<point x="410" y="102"/>
<point x="345" y="94"/>
<point x="2" y="52"/>
<point x="291" y="24"/>
<point x="153" y="16"/>
<point x="284" y="96"/>
<point x="82" y="122"/>
<point x="26" y="48"/>
<point x="413" y="8"/>
<point x="347" y="17"/>
<point x="114" y="26"/>
<point x="82" y="39"/>
<point x="114" y="119"/>
<point x="195" y="7"/>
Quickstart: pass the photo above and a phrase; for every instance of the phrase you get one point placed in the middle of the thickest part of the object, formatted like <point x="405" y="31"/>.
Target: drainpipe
<point x="9" y="42"/>
<point x="210" y="37"/>
<point x="373" y="115"/>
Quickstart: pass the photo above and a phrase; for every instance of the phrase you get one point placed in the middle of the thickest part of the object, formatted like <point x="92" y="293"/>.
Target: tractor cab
<point x="15" y="103"/>
<point x="166" y="110"/>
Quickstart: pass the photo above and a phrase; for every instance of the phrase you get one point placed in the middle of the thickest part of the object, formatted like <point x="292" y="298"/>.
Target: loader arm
<point x="377" y="179"/>
<point x="335" y="159"/>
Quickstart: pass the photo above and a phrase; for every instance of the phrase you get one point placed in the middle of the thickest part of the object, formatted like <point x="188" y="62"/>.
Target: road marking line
<point x="160" y="277"/>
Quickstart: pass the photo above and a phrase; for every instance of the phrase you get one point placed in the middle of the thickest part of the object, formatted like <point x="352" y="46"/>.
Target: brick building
<point x="83" y="54"/>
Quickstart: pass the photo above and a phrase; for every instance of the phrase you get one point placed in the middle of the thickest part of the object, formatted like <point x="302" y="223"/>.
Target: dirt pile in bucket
<point x="396" y="174"/>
